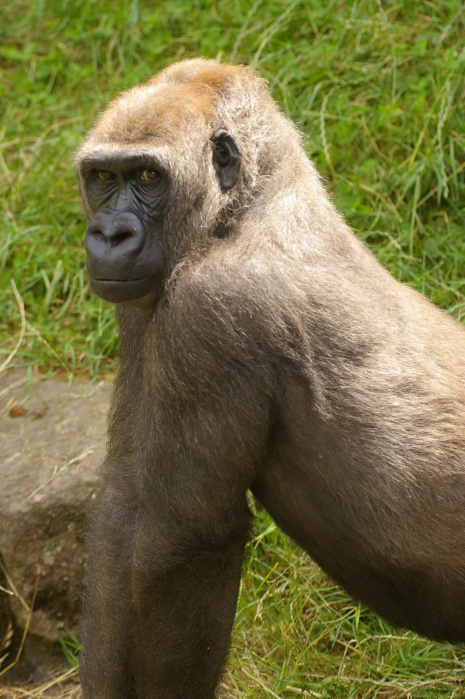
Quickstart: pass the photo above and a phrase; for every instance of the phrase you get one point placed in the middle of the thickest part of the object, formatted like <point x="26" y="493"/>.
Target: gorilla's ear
<point x="226" y="158"/>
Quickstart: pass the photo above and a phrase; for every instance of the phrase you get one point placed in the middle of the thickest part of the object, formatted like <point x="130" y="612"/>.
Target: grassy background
<point x="378" y="88"/>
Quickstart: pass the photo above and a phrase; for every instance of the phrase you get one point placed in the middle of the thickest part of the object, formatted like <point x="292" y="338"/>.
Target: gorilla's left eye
<point x="149" y="175"/>
<point x="105" y="175"/>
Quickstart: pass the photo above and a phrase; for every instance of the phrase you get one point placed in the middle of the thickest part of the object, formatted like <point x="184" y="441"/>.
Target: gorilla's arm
<point x="168" y="531"/>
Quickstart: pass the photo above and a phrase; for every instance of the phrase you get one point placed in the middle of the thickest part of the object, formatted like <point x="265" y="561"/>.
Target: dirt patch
<point x="52" y="440"/>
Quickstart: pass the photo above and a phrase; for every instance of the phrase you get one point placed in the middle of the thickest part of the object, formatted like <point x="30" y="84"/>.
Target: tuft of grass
<point x="71" y="647"/>
<point x="377" y="87"/>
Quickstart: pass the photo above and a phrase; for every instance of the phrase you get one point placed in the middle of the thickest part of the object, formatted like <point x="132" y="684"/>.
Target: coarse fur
<point x="277" y="355"/>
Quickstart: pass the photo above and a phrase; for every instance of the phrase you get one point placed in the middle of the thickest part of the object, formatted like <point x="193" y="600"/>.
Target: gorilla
<point x="262" y="348"/>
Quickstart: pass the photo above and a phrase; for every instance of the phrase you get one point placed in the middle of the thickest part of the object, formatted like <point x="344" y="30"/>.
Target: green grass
<point x="378" y="89"/>
<point x="298" y="635"/>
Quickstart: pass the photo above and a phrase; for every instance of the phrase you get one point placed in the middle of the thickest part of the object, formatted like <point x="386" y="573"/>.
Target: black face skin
<point x="127" y="196"/>
<point x="125" y="259"/>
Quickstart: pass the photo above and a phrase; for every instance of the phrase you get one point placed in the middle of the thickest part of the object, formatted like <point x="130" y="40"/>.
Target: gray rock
<point x="52" y="440"/>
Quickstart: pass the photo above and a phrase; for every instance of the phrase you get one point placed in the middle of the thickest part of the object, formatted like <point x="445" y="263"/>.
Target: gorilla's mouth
<point x="116" y="290"/>
<point x="122" y="281"/>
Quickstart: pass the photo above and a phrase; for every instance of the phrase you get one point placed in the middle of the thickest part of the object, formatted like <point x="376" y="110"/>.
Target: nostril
<point x="118" y="237"/>
<point x="98" y="235"/>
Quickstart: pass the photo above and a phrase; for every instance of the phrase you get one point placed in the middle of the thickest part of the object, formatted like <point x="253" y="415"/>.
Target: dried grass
<point x="63" y="686"/>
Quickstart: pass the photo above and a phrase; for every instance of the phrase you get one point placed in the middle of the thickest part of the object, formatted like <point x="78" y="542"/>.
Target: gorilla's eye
<point x="105" y="175"/>
<point x="149" y="175"/>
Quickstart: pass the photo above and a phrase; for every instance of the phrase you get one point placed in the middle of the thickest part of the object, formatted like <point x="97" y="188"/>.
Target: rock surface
<point x="52" y="440"/>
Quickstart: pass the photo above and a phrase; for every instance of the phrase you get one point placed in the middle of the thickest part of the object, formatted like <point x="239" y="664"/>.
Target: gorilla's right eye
<point x="105" y="175"/>
<point x="149" y="175"/>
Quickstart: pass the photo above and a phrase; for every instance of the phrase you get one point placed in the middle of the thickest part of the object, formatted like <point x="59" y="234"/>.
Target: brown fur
<point x="281" y="357"/>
